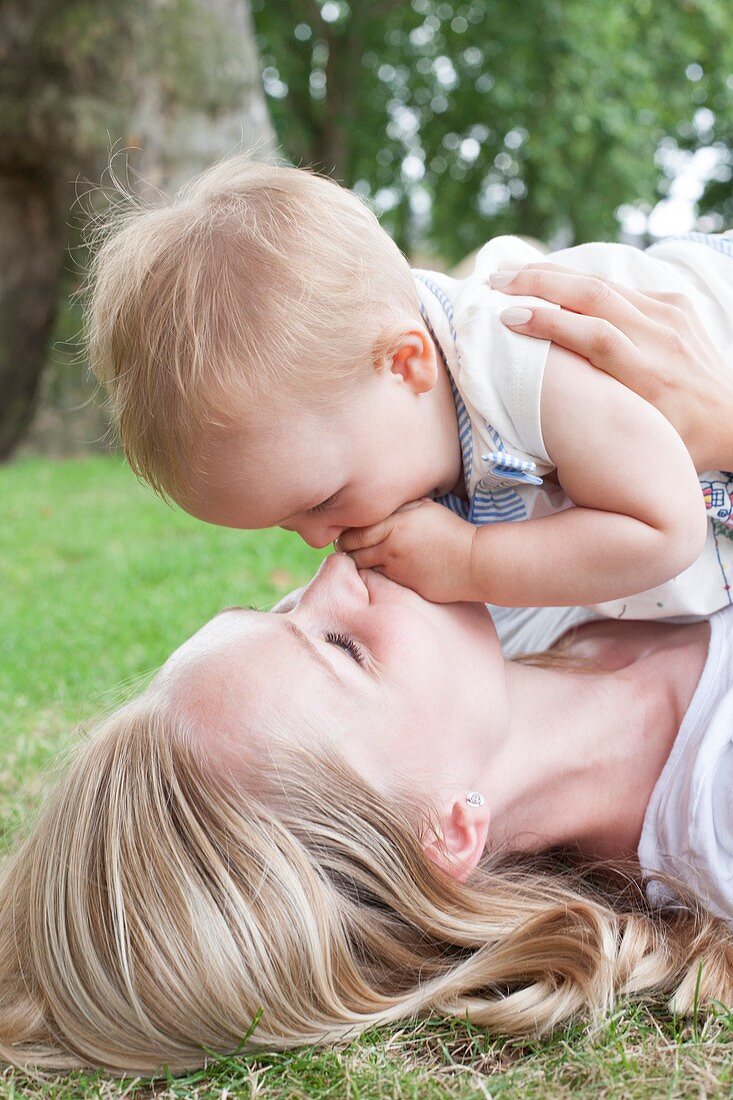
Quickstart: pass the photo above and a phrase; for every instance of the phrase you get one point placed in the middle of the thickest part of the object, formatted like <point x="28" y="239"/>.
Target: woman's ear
<point x="462" y="839"/>
<point x="412" y="358"/>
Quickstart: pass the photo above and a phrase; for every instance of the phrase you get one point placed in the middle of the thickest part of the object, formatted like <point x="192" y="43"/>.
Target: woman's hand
<point x="651" y="342"/>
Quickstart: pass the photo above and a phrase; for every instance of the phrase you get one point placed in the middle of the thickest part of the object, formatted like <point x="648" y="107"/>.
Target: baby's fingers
<point x="371" y="557"/>
<point x="358" y="538"/>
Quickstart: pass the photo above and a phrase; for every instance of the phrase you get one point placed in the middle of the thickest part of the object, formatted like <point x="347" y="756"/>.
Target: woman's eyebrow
<point x="301" y="636"/>
<point x="234" y="607"/>
<point x="314" y="650"/>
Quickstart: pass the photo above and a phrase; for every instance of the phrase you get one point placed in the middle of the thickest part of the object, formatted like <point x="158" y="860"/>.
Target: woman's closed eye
<point x="343" y="641"/>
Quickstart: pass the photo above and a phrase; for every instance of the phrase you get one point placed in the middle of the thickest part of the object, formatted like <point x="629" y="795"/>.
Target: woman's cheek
<point x="414" y="646"/>
<point x="390" y="624"/>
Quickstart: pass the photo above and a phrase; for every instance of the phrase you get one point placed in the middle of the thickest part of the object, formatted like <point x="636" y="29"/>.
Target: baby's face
<point x="319" y="470"/>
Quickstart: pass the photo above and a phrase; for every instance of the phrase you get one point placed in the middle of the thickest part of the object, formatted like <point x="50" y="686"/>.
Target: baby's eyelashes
<point x="323" y="506"/>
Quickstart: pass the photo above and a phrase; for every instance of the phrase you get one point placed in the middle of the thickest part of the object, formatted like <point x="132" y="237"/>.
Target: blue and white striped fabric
<point x="505" y="465"/>
<point x="492" y="501"/>
<point x="720" y="244"/>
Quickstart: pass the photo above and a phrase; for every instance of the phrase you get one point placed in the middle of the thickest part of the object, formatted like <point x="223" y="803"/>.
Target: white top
<point x="688" y="825"/>
<point x="497" y="377"/>
<point x="524" y="630"/>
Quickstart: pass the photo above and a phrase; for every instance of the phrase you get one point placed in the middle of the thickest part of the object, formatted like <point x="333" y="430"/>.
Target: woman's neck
<point x="585" y="749"/>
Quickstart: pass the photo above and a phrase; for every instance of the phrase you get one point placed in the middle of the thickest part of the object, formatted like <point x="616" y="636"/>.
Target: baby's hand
<point x="422" y="545"/>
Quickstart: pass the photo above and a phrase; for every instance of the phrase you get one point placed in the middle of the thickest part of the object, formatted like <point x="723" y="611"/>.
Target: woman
<point x="281" y="825"/>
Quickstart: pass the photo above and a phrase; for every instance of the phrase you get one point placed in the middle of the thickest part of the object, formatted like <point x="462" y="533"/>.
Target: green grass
<point x="99" y="582"/>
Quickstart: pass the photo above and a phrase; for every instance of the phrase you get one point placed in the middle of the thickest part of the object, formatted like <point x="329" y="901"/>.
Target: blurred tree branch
<point x="476" y="117"/>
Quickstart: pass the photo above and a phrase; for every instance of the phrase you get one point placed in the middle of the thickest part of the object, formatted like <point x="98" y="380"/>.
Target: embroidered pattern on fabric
<point x="718" y="497"/>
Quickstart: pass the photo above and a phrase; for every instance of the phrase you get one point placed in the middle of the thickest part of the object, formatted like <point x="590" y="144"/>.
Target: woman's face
<point x="407" y="692"/>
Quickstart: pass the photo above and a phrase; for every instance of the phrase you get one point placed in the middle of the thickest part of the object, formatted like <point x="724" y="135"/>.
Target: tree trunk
<point x="196" y="96"/>
<point x="32" y="234"/>
<point x="176" y="137"/>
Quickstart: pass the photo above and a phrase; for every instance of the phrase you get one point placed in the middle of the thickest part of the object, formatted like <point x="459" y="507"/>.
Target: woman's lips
<point x="377" y="585"/>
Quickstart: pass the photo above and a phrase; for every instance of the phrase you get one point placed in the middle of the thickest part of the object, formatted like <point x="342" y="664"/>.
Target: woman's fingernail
<point x="502" y="278"/>
<point x="517" y="315"/>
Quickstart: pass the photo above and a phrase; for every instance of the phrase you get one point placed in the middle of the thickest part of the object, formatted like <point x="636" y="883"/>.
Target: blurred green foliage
<point x="493" y="116"/>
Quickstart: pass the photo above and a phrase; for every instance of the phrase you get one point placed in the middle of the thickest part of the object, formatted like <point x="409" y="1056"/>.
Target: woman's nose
<point x="338" y="583"/>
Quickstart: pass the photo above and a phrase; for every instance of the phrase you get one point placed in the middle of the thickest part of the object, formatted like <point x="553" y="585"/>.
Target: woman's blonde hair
<point x="158" y="908"/>
<point x="253" y="278"/>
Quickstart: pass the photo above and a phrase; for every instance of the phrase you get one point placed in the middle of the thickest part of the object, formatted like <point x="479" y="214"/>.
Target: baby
<point x="273" y="360"/>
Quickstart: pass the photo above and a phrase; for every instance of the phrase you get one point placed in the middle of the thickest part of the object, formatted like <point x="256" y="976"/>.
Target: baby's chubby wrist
<point x="483" y="567"/>
<point x="476" y="583"/>
<point x="459" y="541"/>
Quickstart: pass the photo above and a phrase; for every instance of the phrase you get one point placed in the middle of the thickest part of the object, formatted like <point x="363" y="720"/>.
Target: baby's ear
<point x="412" y="358"/>
<point x="461" y="840"/>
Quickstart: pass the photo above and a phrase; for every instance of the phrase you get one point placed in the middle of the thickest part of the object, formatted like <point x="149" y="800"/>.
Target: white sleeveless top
<point x="688" y="825"/>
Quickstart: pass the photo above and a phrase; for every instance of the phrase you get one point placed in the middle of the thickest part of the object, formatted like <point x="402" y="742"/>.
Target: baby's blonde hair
<point x="255" y="278"/>
<point x="158" y="909"/>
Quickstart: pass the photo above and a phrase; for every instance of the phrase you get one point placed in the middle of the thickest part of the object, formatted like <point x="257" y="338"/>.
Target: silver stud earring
<point x="475" y="798"/>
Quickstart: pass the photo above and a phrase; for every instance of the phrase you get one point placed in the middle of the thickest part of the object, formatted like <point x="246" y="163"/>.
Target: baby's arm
<point x="640" y="515"/>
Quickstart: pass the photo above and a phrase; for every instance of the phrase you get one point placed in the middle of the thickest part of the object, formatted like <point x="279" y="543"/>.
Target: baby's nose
<point x="319" y="537"/>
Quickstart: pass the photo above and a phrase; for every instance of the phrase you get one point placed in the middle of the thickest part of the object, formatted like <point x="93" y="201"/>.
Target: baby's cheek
<point x="375" y="507"/>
